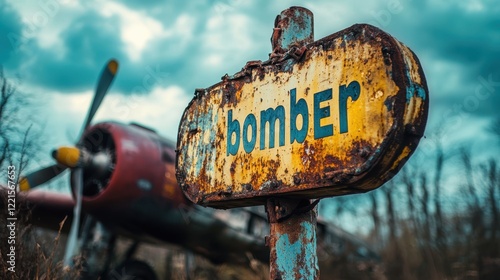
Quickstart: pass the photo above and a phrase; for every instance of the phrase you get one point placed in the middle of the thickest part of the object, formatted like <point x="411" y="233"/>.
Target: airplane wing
<point x="334" y="241"/>
<point x="45" y="209"/>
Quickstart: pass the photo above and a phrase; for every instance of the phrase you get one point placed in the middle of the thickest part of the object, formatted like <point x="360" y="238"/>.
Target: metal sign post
<point x="336" y="116"/>
<point x="292" y="239"/>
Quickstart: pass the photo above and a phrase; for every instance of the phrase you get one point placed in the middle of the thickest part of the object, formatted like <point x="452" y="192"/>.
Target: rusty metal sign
<point x="337" y="116"/>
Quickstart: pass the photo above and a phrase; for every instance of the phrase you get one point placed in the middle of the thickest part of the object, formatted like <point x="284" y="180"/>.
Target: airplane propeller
<point x="77" y="159"/>
<point x="69" y="157"/>
<point x="41" y="176"/>
<point x="107" y="76"/>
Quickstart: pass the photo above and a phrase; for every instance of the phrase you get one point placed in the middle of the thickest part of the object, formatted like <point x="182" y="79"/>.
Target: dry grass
<point x="42" y="251"/>
<point x="39" y="255"/>
<point x="201" y="268"/>
<point x="36" y="255"/>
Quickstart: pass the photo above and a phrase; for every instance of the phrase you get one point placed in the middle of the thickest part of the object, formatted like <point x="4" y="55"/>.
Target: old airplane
<point x="123" y="183"/>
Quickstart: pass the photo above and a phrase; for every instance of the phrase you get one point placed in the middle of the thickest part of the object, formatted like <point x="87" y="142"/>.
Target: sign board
<point x="341" y="117"/>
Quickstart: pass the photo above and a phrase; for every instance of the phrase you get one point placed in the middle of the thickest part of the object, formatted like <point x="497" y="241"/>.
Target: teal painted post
<point x="292" y="238"/>
<point x="294" y="27"/>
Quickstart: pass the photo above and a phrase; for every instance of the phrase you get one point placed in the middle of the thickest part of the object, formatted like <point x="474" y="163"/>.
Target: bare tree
<point x="19" y="144"/>
<point x="19" y="139"/>
<point x="494" y="127"/>
<point x="494" y="179"/>
<point x="424" y="205"/>
<point x="408" y="179"/>
<point x="375" y="215"/>
<point x="469" y="178"/>
<point x="491" y="175"/>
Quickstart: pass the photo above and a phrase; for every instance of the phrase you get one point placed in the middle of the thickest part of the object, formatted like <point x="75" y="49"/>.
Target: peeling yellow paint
<point x="221" y="164"/>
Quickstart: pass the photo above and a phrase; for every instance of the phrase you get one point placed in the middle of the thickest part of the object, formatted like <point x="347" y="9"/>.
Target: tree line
<point x="436" y="220"/>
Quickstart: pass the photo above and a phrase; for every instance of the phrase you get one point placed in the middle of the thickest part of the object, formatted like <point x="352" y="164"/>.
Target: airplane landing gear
<point x="132" y="269"/>
<point x="98" y="250"/>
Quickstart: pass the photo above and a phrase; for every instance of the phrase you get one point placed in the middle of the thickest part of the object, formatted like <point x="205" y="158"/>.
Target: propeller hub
<point x="101" y="161"/>
<point x="73" y="157"/>
<point x="67" y="156"/>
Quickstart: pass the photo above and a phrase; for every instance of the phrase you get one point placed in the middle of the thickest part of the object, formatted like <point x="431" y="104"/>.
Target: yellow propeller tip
<point x="113" y="66"/>
<point x="67" y="156"/>
<point x="24" y="185"/>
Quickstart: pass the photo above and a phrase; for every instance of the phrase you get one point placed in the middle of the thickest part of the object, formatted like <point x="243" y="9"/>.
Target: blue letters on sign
<point x="250" y="121"/>
<point x="321" y="113"/>
<point x="352" y="91"/>
<point x="270" y="116"/>
<point x="232" y="127"/>
<point x="298" y="108"/>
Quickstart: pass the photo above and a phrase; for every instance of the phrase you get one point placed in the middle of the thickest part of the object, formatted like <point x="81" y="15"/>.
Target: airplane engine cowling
<point x="137" y="163"/>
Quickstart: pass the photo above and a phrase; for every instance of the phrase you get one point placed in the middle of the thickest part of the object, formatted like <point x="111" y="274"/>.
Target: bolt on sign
<point x="337" y="116"/>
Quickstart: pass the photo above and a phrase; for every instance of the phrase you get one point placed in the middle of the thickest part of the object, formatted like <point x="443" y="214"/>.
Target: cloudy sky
<point x="57" y="48"/>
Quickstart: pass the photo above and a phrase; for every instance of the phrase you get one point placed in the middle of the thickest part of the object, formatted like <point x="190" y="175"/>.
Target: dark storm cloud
<point x="466" y="38"/>
<point x="447" y="33"/>
<point x="182" y="63"/>
<point x="10" y="28"/>
<point x="470" y="38"/>
<point x="147" y="4"/>
<point x="88" y="43"/>
<point x="91" y="39"/>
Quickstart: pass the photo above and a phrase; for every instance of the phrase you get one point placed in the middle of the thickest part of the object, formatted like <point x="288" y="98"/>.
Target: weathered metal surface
<point x="346" y="111"/>
<point x="293" y="28"/>
<point x="292" y="239"/>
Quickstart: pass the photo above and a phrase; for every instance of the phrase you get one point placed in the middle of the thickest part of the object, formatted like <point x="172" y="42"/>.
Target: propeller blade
<point x="71" y="245"/>
<point x="39" y="177"/>
<point x="68" y="156"/>
<point x="107" y="76"/>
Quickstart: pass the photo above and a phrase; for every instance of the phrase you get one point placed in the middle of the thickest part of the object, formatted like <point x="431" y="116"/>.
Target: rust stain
<point x="223" y="162"/>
